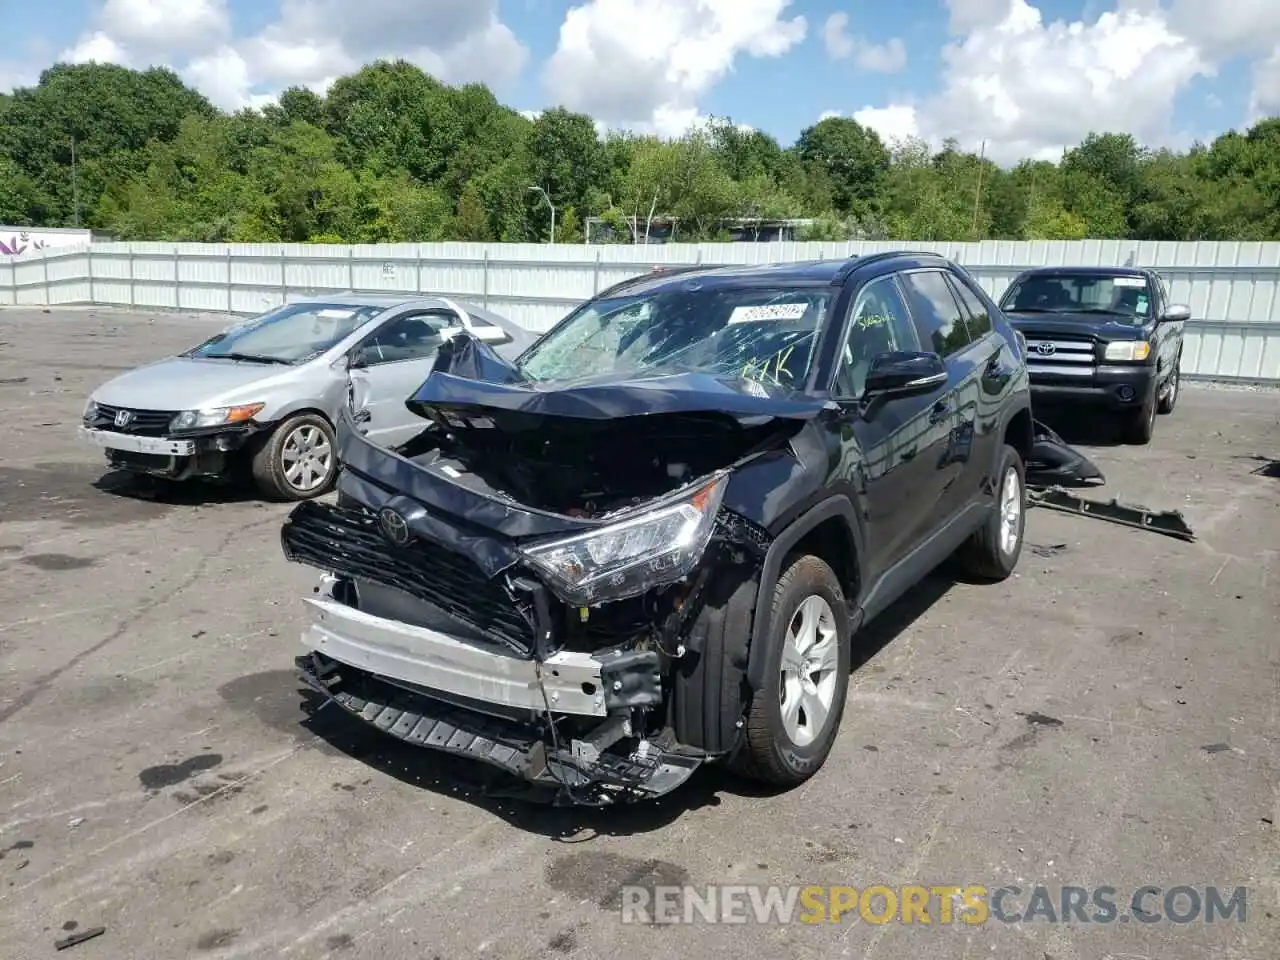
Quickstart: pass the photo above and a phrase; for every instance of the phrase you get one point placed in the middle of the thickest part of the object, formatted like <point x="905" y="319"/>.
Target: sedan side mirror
<point x="1178" y="313"/>
<point x="904" y="374"/>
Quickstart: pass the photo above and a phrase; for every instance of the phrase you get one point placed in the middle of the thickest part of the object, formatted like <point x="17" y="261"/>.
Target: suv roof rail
<point x="858" y="260"/>
<point x="658" y="269"/>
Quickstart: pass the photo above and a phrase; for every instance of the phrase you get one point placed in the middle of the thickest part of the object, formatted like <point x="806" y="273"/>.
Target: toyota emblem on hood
<point x="1046" y="349"/>
<point x="394" y="527"/>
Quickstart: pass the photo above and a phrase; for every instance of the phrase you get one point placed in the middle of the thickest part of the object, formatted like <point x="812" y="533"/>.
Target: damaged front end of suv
<point x="529" y="581"/>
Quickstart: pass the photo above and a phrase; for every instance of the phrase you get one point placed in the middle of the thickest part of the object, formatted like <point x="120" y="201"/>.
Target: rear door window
<point x="978" y="317"/>
<point x="936" y="312"/>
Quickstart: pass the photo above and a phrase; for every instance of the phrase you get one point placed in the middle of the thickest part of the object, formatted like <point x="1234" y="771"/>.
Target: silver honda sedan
<point x="263" y="394"/>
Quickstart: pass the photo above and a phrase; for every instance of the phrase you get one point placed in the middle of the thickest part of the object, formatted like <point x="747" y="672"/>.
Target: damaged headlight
<point x="214" y="416"/>
<point x="626" y="558"/>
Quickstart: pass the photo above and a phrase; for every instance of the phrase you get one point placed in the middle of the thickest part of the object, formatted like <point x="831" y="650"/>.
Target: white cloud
<point x="1029" y="88"/>
<point x="892" y="123"/>
<point x="310" y="43"/>
<point x="647" y="63"/>
<point x="889" y="57"/>
<point x="1224" y="29"/>
<point x="1265" y="101"/>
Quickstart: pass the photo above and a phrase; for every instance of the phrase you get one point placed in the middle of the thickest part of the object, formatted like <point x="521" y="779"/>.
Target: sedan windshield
<point x="762" y="334"/>
<point x="1124" y="297"/>
<point x="288" y="334"/>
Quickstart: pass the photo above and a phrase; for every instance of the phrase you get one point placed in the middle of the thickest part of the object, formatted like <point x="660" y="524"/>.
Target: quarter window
<point x="880" y="324"/>
<point x="978" y="317"/>
<point x="936" y="312"/>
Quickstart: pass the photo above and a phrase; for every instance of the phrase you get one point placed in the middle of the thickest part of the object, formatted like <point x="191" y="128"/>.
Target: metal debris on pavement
<point x="80" y="937"/>
<point x="1168" y="522"/>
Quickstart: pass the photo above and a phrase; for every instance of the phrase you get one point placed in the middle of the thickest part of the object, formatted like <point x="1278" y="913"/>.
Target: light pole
<point x="552" y="206"/>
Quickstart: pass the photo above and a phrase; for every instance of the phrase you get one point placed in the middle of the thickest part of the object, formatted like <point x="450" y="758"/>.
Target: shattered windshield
<point x="1125" y="297"/>
<point x="288" y="334"/>
<point x="765" y="334"/>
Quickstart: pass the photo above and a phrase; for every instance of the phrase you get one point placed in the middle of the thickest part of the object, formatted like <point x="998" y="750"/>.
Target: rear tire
<point x="299" y="459"/>
<point x="794" y="718"/>
<point x="992" y="552"/>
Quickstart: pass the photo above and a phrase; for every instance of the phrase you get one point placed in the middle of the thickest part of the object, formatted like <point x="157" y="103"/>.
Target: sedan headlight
<point x="214" y="416"/>
<point x="1128" y="350"/>
<point x="623" y="559"/>
<point x="90" y="411"/>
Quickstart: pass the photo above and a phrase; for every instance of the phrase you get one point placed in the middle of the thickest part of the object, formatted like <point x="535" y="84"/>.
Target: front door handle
<point x="940" y="412"/>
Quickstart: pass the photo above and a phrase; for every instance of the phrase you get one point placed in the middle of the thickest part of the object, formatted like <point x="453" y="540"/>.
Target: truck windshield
<point x="759" y="333"/>
<point x="1126" y="298"/>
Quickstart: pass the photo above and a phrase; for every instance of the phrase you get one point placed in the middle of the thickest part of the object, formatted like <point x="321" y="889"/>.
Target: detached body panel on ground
<point x="647" y="543"/>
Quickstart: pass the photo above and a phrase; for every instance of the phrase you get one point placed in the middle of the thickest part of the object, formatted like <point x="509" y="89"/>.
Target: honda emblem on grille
<point x="1046" y="349"/>
<point x="123" y="418"/>
<point x="394" y="527"/>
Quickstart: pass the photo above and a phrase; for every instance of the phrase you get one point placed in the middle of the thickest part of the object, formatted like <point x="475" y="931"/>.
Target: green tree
<point x="852" y="157"/>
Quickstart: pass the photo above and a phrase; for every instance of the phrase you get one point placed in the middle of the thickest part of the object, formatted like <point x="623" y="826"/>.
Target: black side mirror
<point x="904" y="374"/>
<point x="1178" y="313"/>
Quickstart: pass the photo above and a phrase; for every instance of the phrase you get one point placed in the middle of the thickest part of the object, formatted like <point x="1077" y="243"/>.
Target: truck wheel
<point x="298" y="461"/>
<point x="1140" y="424"/>
<point x="793" y="720"/>
<point x="1170" y="396"/>
<point x="993" y="550"/>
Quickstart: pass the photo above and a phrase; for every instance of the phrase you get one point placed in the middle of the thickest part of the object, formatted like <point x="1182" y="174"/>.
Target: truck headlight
<point x="623" y="559"/>
<point x="214" y="416"/>
<point x="1128" y="350"/>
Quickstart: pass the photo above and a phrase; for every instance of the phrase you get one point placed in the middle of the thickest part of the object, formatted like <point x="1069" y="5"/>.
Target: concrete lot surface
<point x="1109" y="716"/>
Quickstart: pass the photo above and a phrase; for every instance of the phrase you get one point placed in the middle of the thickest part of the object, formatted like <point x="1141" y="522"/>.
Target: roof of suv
<point x="800" y="271"/>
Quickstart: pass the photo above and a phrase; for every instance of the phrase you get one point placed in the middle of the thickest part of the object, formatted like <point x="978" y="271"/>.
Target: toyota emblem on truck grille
<point x="123" y="418"/>
<point x="1046" y="349"/>
<point x="394" y="527"/>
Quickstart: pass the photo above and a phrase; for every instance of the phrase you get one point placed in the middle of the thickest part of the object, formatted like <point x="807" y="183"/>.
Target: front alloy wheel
<point x="298" y="461"/>
<point x="807" y="680"/>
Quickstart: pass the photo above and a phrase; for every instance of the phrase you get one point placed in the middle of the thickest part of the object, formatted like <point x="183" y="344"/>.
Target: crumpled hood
<point x="470" y="378"/>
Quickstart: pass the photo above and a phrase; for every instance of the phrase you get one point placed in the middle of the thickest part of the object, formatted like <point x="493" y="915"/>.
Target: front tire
<point x="793" y="720"/>
<point x="298" y="461"/>
<point x="992" y="552"/>
<point x="1140" y="425"/>
<point x="1170" y="397"/>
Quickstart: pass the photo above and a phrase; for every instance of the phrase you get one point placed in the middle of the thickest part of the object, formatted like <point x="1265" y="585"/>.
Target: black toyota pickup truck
<point x="1107" y="337"/>
<point x="648" y="542"/>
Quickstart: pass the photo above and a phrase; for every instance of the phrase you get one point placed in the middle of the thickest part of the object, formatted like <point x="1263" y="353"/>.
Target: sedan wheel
<point x="298" y="461"/>
<point x="306" y="458"/>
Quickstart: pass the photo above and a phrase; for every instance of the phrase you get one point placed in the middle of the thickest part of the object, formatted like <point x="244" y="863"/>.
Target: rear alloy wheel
<point x="794" y="718"/>
<point x="1170" y="396"/>
<point x="298" y="462"/>
<point x="992" y="552"/>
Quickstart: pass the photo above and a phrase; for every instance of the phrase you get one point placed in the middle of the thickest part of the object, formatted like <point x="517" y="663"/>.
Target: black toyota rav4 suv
<point x="648" y="542"/>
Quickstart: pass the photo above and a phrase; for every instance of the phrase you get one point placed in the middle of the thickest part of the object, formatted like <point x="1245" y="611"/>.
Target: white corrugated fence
<point x="1230" y="287"/>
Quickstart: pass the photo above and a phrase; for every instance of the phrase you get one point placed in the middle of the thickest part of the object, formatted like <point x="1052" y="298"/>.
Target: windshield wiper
<point x="1029" y="310"/>
<point x="1105" y="310"/>
<point x="248" y="358"/>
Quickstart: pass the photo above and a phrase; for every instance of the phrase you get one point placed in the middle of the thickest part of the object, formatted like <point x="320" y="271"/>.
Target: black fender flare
<point x="836" y="506"/>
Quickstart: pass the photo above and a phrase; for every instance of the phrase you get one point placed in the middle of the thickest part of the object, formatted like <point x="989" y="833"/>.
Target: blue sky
<point x="1024" y="75"/>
